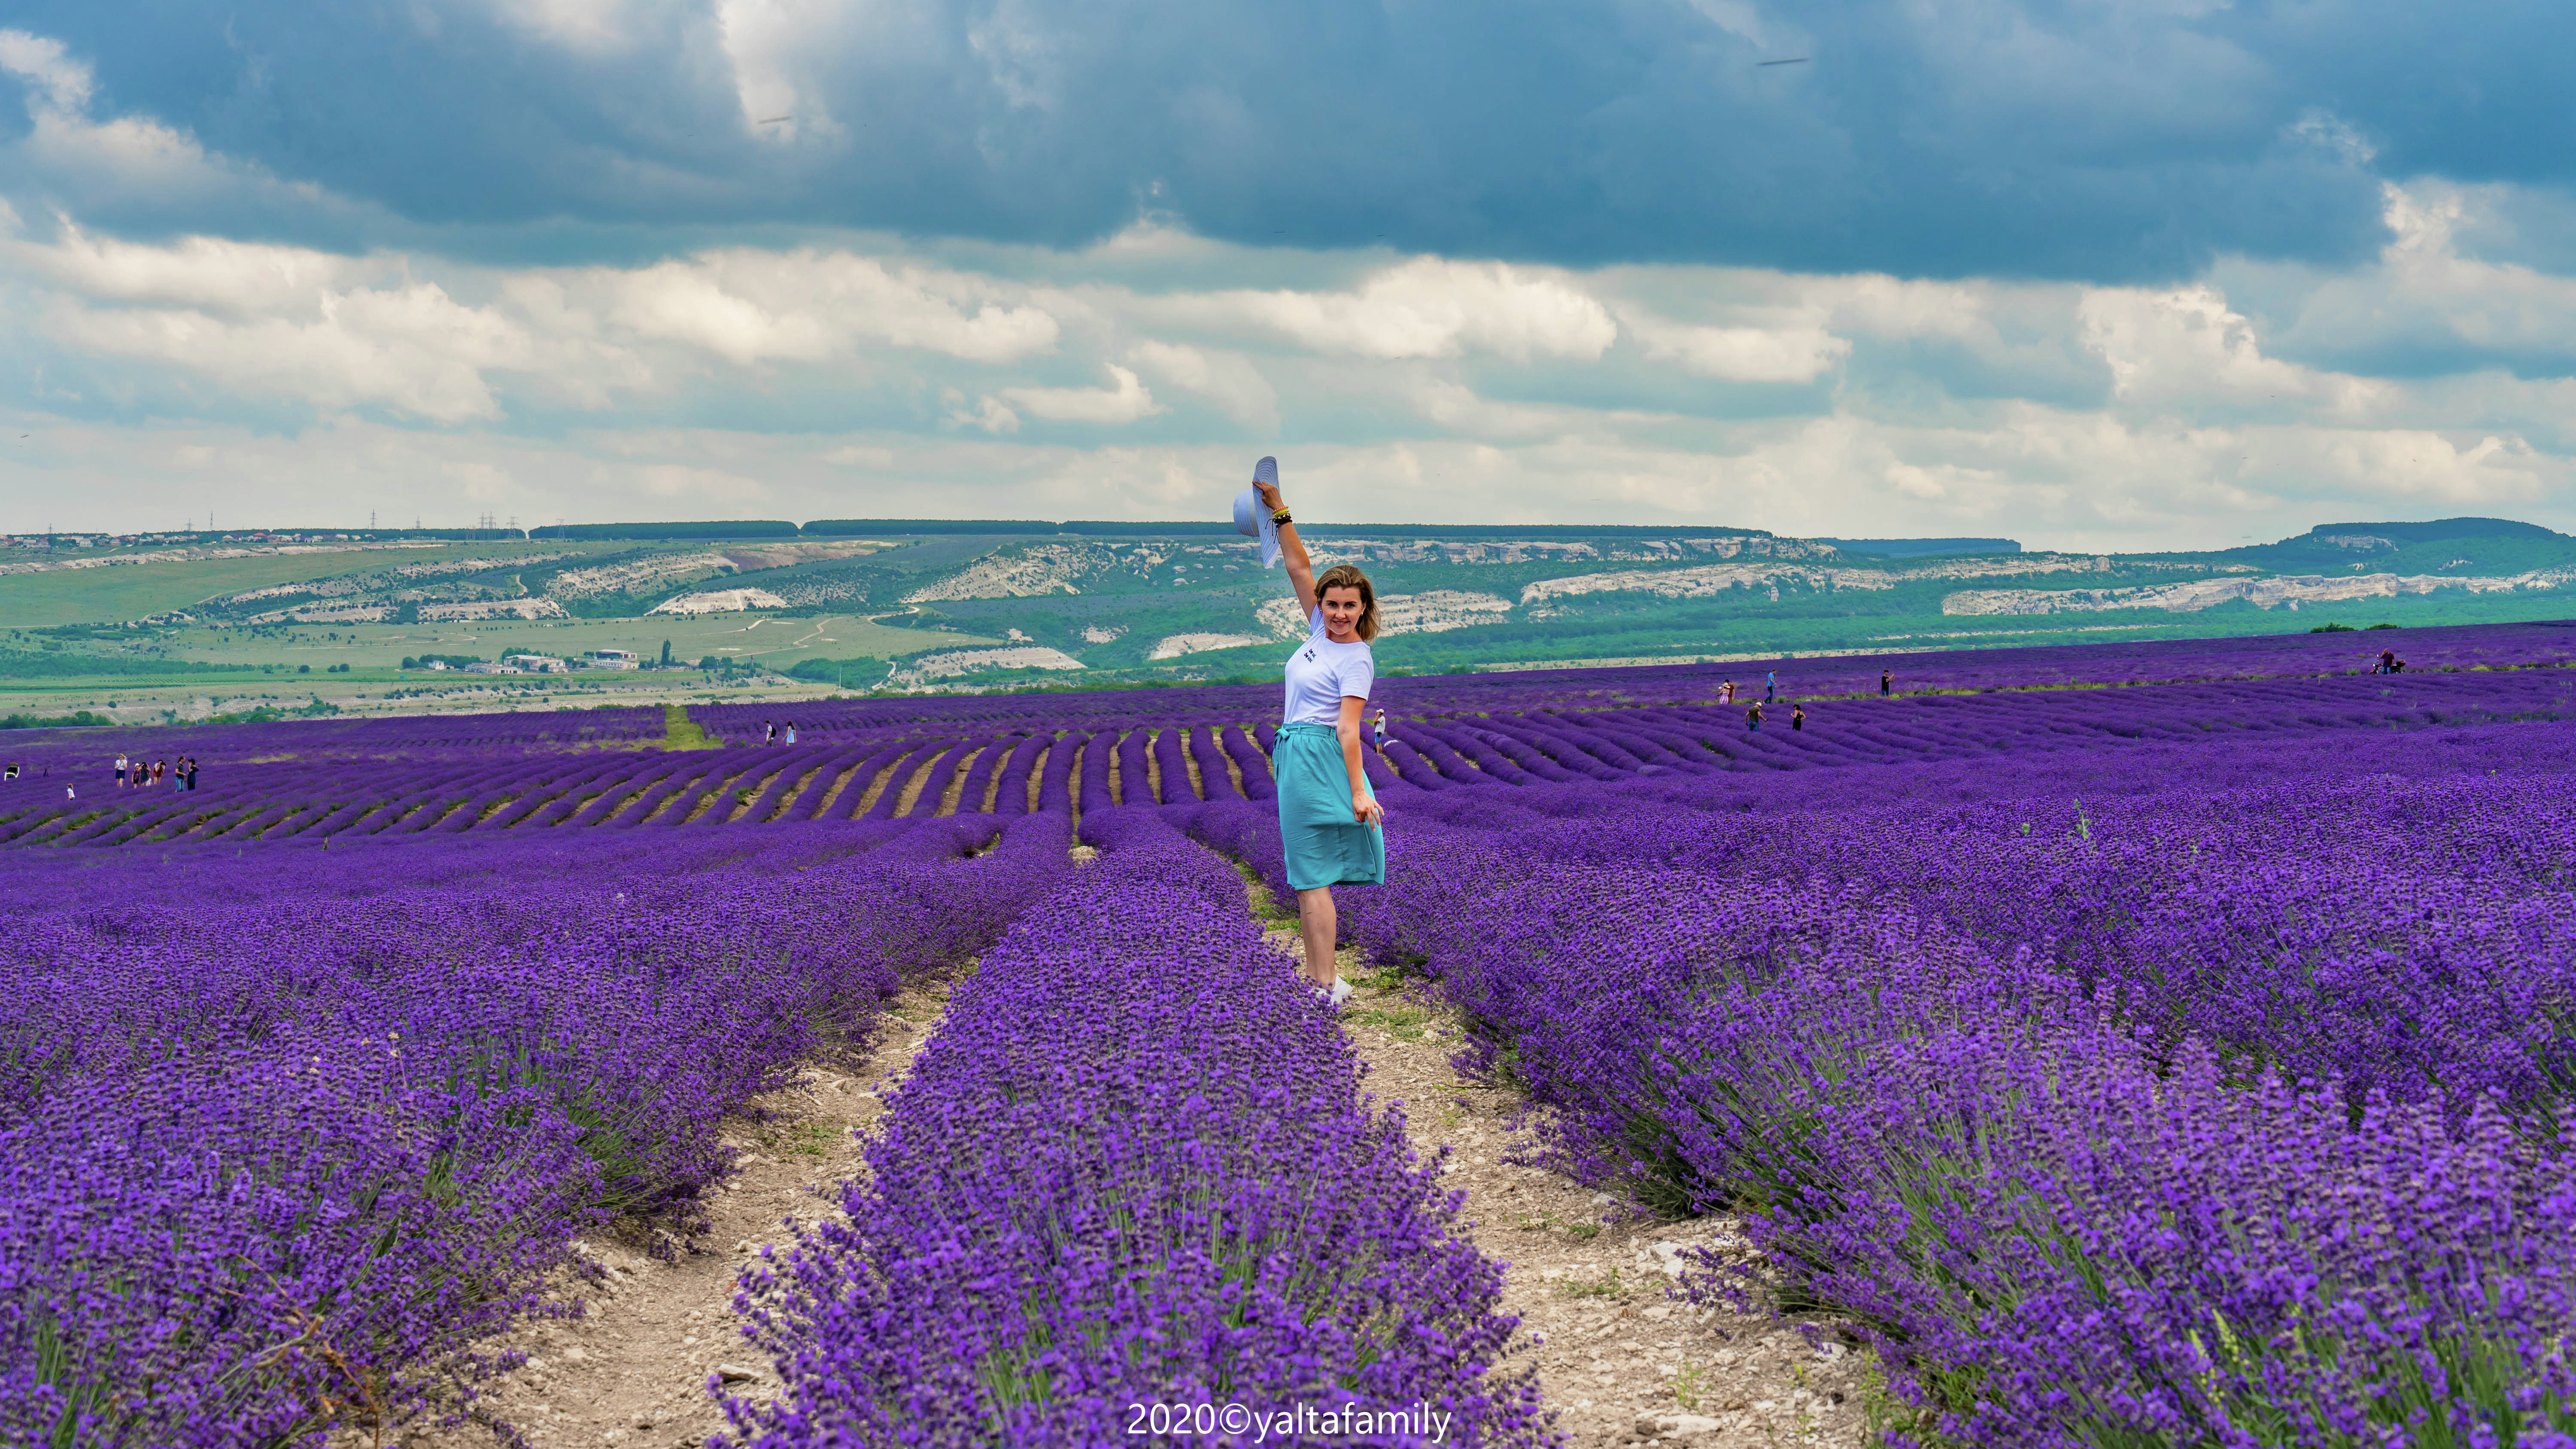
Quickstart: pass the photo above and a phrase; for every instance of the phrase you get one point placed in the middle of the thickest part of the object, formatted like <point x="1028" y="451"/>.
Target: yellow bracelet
<point x="1279" y="516"/>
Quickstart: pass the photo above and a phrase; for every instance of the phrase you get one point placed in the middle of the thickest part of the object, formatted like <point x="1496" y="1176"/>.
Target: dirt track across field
<point x="633" y="1371"/>
<point x="1619" y="1359"/>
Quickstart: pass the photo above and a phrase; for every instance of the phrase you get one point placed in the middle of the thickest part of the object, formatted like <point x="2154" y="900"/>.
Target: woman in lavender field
<point x="1331" y="828"/>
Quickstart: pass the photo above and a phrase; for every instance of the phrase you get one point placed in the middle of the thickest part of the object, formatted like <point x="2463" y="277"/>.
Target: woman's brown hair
<point x="1348" y="576"/>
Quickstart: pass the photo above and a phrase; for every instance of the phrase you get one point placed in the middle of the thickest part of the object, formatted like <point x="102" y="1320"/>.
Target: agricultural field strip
<point x="2292" y="930"/>
<point x="1174" y="765"/>
<point x="2053" y="669"/>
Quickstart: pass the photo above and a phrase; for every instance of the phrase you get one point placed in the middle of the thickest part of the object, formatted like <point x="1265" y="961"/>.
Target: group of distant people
<point x="1797" y="712"/>
<point x="134" y="774"/>
<point x="131" y="772"/>
<point x="1771" y="695"/>
<point x="769" y="733"/>
<point x="2389" y="663"/>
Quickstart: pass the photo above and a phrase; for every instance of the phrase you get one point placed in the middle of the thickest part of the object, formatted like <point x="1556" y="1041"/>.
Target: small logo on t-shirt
<point x="1310" y="656"/>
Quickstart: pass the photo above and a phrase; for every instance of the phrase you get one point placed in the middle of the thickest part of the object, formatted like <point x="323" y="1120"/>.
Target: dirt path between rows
<point x="1618" y="1359"/>
<point x="632" y="1371"/>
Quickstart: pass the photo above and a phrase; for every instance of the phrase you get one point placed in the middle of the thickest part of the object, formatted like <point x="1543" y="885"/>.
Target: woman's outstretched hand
<point x="1366" y="809"/>
<point x="1269" y="495"/>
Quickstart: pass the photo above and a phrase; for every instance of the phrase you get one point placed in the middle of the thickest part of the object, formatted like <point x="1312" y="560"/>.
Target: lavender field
<point x="2134" y="1045"/>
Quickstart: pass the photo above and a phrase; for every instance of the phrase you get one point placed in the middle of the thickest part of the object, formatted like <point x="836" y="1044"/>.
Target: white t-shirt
<point x="1322" y="673"/>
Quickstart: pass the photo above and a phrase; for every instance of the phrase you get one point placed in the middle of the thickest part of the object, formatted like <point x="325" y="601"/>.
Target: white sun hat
<point x="1252" y="520"/>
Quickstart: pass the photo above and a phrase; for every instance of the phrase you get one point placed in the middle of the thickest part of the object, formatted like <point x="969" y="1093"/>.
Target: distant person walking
<point x="192" y="774"/>
<point x="2387" y="662"/>
<point x="1753" y="717"/>
<point x="160" y="771"/>
<point x="1886" y="683"/>
<point x="1332" y="831"/>
<point x="1377" y="725"/>
<point x="120" y="771"/>
<point x="1770" y="685"/>
<point x="1726" y="693"/>
<point x="1797" y="716"/>
<point x="768" y="733"/>
<point x="791" y="732"/>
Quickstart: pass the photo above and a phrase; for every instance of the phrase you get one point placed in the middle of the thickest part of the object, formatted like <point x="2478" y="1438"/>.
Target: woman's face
<point x="1342" y="607"/>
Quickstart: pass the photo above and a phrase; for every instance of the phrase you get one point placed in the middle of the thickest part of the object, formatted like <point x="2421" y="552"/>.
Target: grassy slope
<point x="135" y="591"/>
<point x="380" y="647"/>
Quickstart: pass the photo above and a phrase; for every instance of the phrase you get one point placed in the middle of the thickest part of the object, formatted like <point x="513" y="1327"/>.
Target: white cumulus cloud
<point x="1428" y="307"/>
<point x="1124" y="401"/>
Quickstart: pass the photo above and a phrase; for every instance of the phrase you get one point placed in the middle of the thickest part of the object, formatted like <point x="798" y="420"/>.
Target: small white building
<point x="539" y="664"/>
<point x="479" y="667"/>
<point x="613" y="659"/>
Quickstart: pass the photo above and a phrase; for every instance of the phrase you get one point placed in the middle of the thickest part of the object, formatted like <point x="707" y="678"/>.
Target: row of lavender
<point x="1132" y="1176"/>
<point x="1944" y="668"/>
<point x="283" y="1148"/>
<point x="72" y="751"/>
<point x="904" y="778"/>
<point x="2206" y="1094"/>
<point x="906" y="775"/>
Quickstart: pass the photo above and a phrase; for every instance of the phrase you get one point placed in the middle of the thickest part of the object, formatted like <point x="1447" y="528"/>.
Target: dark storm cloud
<point x="2093" y="141"/>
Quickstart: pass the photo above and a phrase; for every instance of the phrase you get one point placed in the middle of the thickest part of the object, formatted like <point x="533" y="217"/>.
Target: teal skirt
<point x="1320" y="842"/>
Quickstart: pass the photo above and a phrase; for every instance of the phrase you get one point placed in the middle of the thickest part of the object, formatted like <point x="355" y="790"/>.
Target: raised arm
<point x="1292" y="552"/>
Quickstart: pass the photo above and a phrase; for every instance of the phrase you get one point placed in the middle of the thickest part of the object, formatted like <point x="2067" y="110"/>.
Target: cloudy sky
<point x="2090" y="274"/>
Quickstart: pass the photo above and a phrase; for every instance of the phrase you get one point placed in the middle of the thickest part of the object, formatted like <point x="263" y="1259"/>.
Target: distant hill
<point x="1921" y="547"/>
<point x="980" y="602"/>
<point x="2437" y="529"/>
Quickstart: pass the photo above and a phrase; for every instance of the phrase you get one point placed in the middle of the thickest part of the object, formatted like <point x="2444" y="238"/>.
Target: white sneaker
<point x="1341" y="991"/>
